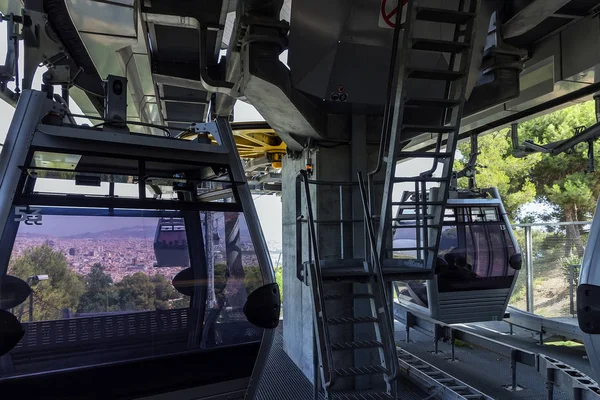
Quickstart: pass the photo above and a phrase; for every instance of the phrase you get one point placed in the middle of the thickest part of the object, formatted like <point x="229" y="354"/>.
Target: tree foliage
<point x="560" y="182"/>
<point x="63" y="288"/>
<point x="99" y="294"/>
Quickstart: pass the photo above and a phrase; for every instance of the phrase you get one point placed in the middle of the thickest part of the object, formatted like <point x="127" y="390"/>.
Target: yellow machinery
<point x="255" y="141"/>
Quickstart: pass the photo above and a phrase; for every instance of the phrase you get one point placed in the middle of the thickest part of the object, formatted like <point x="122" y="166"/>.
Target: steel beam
<point x="531" y="16"/>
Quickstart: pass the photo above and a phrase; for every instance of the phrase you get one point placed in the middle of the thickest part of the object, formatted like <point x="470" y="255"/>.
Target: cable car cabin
<point x="478" y="262"/>
<point x="85" y="313"/>
<point x="170" y="243"/>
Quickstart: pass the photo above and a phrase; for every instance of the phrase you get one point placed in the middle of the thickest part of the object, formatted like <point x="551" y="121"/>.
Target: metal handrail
<point x="302" y="177"/>
<point x="376" y="268"/>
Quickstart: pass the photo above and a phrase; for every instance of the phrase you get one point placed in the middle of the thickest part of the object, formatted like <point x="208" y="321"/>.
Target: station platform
<point x="489" y="372"/>
<point x="282" y="380"/>
<point x="478" y="367"/>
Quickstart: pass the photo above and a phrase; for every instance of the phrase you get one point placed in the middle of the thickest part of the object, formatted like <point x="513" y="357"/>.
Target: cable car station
<point x="133" y="264"/>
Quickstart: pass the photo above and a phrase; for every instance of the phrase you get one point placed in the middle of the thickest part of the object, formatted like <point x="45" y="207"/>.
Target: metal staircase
<point x="423" y="215"/>
<point x="323" y="276"/>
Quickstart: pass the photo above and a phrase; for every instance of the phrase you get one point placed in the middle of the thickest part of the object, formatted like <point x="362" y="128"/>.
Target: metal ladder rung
<point x="445" y="380"/>
<point x="441" y="15"/>
<point x="361" y="396"/>
<point x="363" y="344"/>
<point x="430" y="102"/>
<point x="409" y="248"/>
<point x="435" y="74"/>
<point x="398" y="179"/>
<point x="424" y="154"/>
<point x="428" y="129"/>
<point x="444" y="46"/>
<point x="472" y="396"/>
<point x="351" y="320"/>
<point x="354" y="296"/>
<point x="358" y="371"/>
<point x="414" y="204"/>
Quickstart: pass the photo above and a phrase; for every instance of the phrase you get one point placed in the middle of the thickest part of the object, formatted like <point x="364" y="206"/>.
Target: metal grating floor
<point x="282" y="380"/>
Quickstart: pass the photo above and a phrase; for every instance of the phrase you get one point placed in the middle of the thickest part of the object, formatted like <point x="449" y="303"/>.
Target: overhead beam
<point x="531" y="16"/>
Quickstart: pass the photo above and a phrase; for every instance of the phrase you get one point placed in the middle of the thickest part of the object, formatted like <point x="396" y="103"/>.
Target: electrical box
<point x="115" y="100"/>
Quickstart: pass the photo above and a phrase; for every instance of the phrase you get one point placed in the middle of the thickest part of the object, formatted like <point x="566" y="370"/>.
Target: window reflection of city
<point x="120" y="256"/>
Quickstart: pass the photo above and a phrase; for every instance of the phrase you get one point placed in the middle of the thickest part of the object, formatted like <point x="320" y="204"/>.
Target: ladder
<point x="322" y="276"/>
<point x="423" y="214"/>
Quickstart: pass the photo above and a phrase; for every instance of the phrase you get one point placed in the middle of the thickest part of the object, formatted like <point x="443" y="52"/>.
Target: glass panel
<point x="97" y="295"/>
<point x="74" y="183"/>
<point x="236" y="273"/>
<point x="477" y="257"/>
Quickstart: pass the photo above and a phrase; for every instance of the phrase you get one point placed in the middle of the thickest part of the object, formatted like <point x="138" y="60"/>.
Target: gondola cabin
<point x="170" y="243"/>
<point x="81" y="212"/>
<point x="478" y="263"/>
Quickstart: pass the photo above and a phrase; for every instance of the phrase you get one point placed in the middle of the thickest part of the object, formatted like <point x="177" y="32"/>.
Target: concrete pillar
<point x="338" y="162"/>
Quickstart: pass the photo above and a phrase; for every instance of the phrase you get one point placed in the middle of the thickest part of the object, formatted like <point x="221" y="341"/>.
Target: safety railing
<point x="302" y="184"/>
<point x="376" y="268"/>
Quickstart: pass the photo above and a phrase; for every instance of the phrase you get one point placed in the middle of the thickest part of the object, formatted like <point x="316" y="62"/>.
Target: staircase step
<point x="353" y="296"/>
<point x="362" y="395"/>
<point x="430" y="102"/>
<point x="413" y="204"/>
<point x="441" y="15"/>
<point x="428" y="129"/>
<point x="412" y="217"/>
<point x="351" y="320"/>
<point x="401" y="179"/>
<point x="444" y="46"/>
<point x="435" y="74"/>
<point x="425" y="154"/>
<point x="363" y="344"/>
<point x="358" y="371"/>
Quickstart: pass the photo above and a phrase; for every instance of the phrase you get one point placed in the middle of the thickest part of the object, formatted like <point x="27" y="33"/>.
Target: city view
<point x="122" y="245"/>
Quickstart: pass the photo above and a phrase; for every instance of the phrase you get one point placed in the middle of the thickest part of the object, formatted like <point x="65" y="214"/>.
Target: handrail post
<point x="302" y="177"/>
<point x="376" y="268"/>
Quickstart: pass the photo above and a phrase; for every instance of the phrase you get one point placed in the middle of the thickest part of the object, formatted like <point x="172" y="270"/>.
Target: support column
<point x="331" y="162"/>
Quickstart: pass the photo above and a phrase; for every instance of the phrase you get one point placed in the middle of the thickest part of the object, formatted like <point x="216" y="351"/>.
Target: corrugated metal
<point x="472" y="306"/>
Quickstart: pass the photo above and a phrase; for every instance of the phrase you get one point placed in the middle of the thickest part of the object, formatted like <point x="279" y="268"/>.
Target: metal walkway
<point x="486" y="357"/>
<point x="283" y="380"/>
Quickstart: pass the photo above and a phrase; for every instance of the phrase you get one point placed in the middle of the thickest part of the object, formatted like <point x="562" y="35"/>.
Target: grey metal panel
<point x="470" y="306"/>
<point x="99" y="17"/>
<point x="315" y="28"/>
<point x="340" y="43"/>
<point x="125" y="144"/>
<point x="530" y="16"/>
<point x="558" y="327"/>
<point x="585" y="33"/>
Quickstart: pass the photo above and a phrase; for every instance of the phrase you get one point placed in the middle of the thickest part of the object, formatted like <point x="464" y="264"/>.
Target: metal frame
<point x="26" y="135"/>
<point x="556" y="373"/>
<point x="225" y="138"/>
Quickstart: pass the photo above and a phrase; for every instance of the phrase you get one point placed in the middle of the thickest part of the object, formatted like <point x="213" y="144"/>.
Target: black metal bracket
<point x="302" y="272"/>
<point x="588" y="308"/>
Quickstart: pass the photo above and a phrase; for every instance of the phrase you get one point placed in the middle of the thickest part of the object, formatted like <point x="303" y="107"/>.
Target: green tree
<point x="100" y="294"/>
<point x="559" y="181"/>
<point x="63" y="288"/>
<point x="136" y="293"/>
<point x="164" y="293"/>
